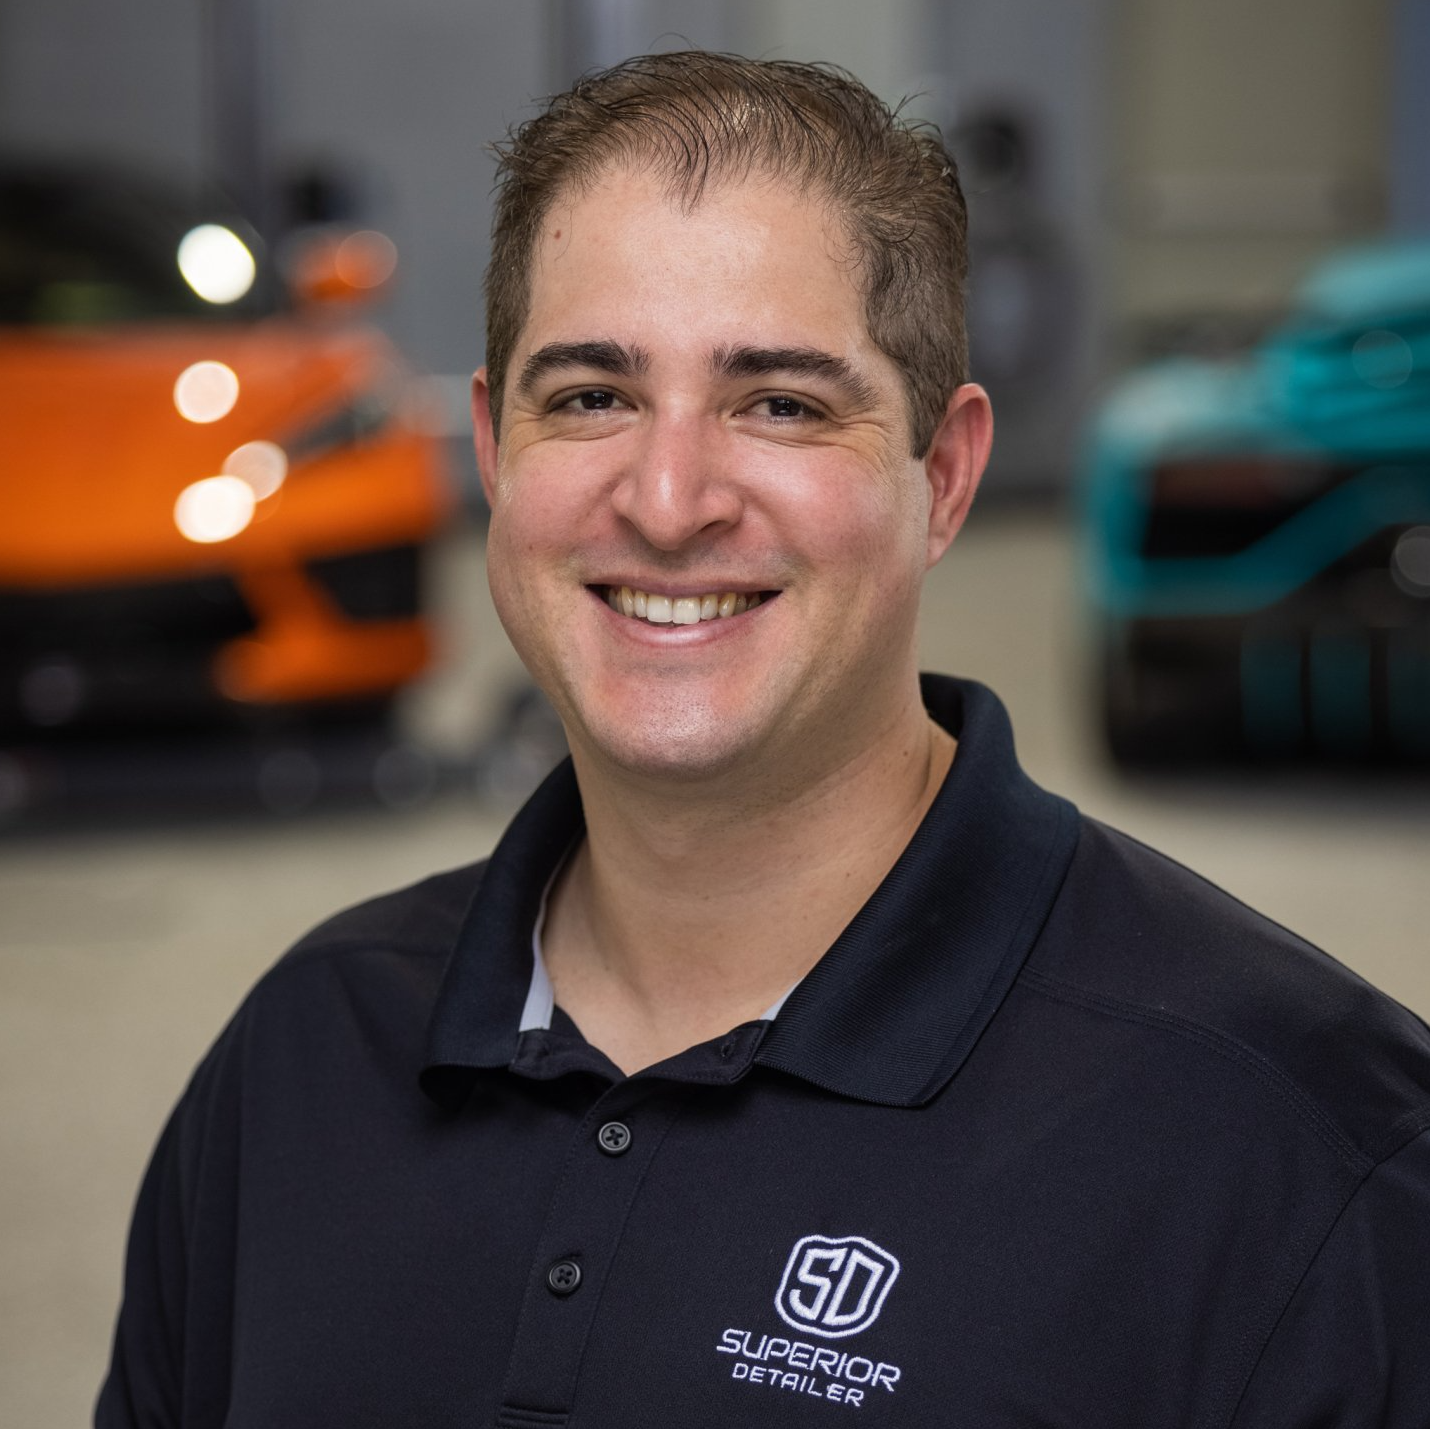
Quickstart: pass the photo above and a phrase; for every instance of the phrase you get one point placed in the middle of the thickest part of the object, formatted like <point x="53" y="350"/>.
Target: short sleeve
<point x="1352" y="1349"/>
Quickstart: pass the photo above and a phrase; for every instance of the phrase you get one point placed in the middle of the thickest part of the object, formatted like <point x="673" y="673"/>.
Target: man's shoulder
<point x="402" y="939"/>
<point x="420" y="919"/>
<point x="360" y="984"/>
<point x="1137" y="937"/>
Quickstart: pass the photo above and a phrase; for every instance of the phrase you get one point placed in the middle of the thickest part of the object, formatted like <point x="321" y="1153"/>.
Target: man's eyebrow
<point x="605" y="356"/>
<point x="799" y="362"/>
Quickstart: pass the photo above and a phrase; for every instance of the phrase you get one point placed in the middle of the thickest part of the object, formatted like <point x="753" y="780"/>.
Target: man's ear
<point x="954" y="464"/>
<point x="484" y="434"/>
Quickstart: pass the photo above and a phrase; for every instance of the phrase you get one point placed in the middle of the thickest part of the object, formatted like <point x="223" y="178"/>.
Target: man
<point x="794" y="1057"/>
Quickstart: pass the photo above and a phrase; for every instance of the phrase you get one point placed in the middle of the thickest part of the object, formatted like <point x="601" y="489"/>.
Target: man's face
<point x="695" y="411"/>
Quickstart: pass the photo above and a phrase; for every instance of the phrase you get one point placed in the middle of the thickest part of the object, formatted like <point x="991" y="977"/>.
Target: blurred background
<point x="249" y="671"/>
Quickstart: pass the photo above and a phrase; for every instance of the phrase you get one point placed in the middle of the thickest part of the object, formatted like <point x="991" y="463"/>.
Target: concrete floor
<point x="121" y="953"/>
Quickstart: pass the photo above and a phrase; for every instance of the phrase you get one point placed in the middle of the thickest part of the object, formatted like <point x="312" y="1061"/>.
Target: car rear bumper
<point x="1272" y="686"/>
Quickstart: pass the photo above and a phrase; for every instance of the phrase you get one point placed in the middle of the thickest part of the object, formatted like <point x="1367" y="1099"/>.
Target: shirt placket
<point x="610" y="1153"/>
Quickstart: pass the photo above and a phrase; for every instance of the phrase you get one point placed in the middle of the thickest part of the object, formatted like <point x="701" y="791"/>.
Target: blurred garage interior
<point x="1146" y="181"/>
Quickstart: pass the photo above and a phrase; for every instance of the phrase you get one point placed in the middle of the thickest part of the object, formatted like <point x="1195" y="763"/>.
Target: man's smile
<point x="658" y="608"/>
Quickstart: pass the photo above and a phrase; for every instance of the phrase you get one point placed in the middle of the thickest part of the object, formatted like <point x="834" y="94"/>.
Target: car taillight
<point x="1218" y="505"/>
<point x="1239" y="482"/>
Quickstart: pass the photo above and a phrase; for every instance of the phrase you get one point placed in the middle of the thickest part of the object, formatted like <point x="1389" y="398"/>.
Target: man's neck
<point x="681" y="916"/>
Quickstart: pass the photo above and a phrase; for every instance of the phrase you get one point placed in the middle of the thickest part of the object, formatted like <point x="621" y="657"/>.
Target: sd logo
<point x="835" y="1287"/>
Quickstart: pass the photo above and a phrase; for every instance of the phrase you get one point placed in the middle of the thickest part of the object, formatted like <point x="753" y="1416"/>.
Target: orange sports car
<point x="217" y="489"/>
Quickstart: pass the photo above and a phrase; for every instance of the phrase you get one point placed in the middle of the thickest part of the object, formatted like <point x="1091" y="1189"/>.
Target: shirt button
<point x="614" y="1138"/>
<point x="563" y="1277"/>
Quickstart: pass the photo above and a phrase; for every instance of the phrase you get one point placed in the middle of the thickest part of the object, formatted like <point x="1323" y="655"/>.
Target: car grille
<point x="206" y="610"/>
<point x="116" y="655"/>
<point x="373" y="585"/>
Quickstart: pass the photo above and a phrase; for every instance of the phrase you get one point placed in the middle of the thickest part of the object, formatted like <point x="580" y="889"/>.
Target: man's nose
<point x="677" y="483"/>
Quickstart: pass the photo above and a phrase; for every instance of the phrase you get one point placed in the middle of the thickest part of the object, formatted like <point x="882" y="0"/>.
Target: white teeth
<point x="678" y="610"/>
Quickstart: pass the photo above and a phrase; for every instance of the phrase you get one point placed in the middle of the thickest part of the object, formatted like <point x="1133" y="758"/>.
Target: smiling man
<point x="794" y="1056"/>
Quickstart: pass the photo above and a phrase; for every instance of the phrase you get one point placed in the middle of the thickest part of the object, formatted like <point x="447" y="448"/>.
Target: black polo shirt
<point x="1054" y="1134"/>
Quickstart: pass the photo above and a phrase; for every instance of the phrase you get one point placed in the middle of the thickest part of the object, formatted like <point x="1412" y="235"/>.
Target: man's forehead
<point x="755" y="197"/>
<point x="752" y="262"/>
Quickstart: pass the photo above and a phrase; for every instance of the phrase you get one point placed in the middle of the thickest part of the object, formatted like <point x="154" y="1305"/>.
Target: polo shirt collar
<point x="891" y="1011"/>
<point x="484" y="998"/>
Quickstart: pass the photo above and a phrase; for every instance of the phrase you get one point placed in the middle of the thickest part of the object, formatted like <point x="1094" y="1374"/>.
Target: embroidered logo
<point x="835" y="1287"/>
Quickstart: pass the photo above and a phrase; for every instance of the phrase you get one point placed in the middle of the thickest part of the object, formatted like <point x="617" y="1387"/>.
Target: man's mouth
<point x="657" y="609"/>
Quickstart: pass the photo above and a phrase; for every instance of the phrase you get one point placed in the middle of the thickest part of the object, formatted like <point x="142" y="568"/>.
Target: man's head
<point x="697" y="405"/>
<point x="696" y="118"/>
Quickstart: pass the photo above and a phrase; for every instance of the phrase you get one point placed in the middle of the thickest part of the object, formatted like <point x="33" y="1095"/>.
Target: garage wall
<point x="122" y="81"/>
<point x="1410" y="122"/>
<point x="1250" y="138"/>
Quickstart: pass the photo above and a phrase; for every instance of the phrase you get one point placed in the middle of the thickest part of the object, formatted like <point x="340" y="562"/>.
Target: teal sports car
<point x="1257" y="534"/>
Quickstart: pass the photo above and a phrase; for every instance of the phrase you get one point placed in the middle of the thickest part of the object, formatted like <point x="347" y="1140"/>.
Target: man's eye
<point x="786" y="408"/>
<point x="596" y="400"/>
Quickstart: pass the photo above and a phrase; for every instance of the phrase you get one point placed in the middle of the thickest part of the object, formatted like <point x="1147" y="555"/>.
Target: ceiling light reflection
<point x="366" y="259"/>
<point x="263" y="465"/>
<point x="1383" y="359"/>
<point x="216" y="263"/>
<point x="1410" y="561"/>
<point x="214" y="509"/>
<point x="206" y="391"/>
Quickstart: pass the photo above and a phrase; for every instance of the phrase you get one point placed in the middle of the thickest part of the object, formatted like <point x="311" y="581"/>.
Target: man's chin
<point x="686" y="752"/>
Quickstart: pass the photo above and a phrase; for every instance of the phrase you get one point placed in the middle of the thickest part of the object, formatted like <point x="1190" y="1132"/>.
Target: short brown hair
<point x="694" y="116"/>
